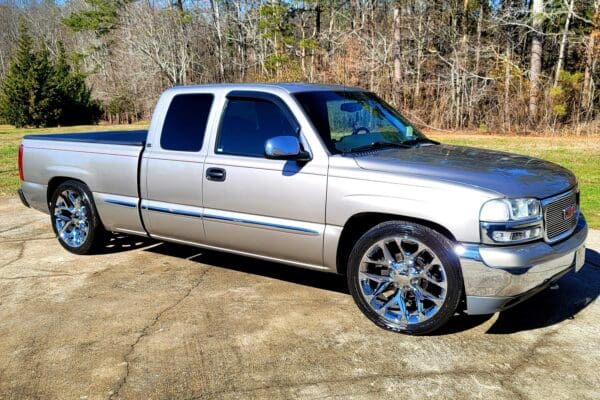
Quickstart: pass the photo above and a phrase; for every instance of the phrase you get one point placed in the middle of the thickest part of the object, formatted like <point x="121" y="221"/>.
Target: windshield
<point x="350" y="121"/>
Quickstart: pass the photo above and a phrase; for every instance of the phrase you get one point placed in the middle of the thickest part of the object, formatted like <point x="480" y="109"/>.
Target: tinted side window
<point x="248" y="123"/>
<point x="185" y="122"/>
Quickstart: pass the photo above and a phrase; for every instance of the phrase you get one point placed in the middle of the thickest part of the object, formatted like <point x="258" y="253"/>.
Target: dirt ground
<point x="149" y="320"/>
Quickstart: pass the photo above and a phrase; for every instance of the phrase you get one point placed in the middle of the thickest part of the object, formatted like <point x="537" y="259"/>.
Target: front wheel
<point x="75" y="219"/>
<point x="404" y="277"/>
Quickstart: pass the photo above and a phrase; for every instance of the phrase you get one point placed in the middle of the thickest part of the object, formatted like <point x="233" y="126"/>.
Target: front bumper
<point x="498" y="277"/>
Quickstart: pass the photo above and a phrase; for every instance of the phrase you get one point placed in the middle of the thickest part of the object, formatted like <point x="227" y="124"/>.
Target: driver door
<point x="255" y="205"/>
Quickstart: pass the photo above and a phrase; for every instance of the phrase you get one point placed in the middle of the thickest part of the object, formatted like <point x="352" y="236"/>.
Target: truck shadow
<point x="120" y="242"/>
<point x="300" y="276"/>
<point x="574" y="293"/>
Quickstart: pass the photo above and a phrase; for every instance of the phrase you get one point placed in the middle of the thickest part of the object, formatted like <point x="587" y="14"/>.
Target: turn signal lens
<point x="517" y="236"/>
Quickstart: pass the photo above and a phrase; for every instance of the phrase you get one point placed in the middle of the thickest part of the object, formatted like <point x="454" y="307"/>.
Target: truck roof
<point x="291" y="87"/>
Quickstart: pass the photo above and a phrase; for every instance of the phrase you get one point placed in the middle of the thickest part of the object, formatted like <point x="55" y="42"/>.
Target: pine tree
<point x="45" y="106"/>
<point x="77" y="105"/>
<point x="100" y="17"/>
<point x="28" y="95"/>
<point x="14" y="97"/>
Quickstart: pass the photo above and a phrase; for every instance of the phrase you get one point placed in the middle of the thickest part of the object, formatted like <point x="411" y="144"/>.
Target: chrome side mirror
<point x="285" y="148"/>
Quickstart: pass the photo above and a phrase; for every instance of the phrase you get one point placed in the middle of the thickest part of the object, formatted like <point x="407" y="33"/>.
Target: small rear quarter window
<point x="185" y="122"/>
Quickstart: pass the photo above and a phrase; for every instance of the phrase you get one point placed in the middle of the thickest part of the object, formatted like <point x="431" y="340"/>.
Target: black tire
<point x="96" y="234"/>
<point x="439" y="244"/>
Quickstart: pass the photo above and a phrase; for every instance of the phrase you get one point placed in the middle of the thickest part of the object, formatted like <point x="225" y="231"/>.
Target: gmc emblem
<point x="569" y="212"/>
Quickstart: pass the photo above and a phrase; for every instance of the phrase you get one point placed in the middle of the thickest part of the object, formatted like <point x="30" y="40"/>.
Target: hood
<point x="508" y="174"/>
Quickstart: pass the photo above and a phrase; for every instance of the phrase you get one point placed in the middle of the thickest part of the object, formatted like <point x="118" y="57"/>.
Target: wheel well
<point x="358" y="224"/>
<point x="54" y="183"/>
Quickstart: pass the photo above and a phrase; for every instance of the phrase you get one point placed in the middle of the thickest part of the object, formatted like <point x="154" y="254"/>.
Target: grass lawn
<point x="580" y="154"/>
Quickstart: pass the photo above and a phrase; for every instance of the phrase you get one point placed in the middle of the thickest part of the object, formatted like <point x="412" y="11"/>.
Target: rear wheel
<point x="404" y="277"/>
<point x="75" y="218"/>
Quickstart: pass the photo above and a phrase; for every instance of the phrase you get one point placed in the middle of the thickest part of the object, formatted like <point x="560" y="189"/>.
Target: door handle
<point x="216" y="174"/>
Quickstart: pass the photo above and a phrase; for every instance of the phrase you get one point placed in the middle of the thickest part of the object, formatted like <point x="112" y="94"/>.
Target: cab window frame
<point x="204" y="133"/>
<point x="248" y="95"/>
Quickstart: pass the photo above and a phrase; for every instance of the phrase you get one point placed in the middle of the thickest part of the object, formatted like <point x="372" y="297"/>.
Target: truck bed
<point x="107" y="162"/>
<point x="123" y="138"/>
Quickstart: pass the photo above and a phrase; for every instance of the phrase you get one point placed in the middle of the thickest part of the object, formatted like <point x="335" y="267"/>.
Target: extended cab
<point x="323" y="177"/>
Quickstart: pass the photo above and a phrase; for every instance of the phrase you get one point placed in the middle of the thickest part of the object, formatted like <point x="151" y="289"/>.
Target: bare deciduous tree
<point x="446" y="64"/>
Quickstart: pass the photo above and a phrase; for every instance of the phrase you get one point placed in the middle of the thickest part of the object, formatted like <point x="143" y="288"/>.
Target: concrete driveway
<point x="152" y="320"/>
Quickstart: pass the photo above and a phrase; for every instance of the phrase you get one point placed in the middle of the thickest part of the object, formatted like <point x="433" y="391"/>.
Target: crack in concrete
<point x="49" y="270"/>
<point x="498" y="376"/>
<point x="524" y="360"/>
<point x="12" y="228"/>
<point x="25" y="239"/>
<point x="146" y="332"/>
<point x="17" y="258"/>
<point x="12" y="278"/>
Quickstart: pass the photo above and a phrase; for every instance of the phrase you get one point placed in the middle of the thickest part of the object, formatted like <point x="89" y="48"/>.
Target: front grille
<point x="554" y="216"/>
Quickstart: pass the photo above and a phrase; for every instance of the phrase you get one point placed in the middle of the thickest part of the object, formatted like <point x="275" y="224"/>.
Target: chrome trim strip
<point x="131" y="232"/>
<point x="121" y="203"/>
<point x="260" y="223"/>
<point x="171" y="211"/>
<point x="214" y="215"/>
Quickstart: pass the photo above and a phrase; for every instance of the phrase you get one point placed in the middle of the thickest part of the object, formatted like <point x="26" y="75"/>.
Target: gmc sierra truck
<point x="323" y="177"/>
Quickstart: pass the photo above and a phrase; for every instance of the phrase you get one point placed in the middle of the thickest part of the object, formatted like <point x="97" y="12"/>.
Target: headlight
<point x="511" y="221"/>
<point x="503" y="210"/>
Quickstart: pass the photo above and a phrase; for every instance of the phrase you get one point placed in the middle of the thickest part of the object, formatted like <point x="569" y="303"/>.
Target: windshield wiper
<point x="417" y="141"/>
<point x="375" y="146"/>
<point x="380" y="145"/>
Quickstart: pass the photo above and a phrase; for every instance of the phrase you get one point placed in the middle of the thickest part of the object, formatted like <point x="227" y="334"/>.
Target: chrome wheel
<point x="402" y="280"/>
<point x="71" y="218"/>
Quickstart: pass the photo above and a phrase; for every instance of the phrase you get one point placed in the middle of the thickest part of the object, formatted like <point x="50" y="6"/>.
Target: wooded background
<point x="515" y="65"/>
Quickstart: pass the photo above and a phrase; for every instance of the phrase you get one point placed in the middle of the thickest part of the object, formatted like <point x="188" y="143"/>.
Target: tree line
<point x="501" y="65"/>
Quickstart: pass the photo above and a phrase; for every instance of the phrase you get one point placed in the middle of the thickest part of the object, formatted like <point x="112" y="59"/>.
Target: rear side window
<point x="185" y="122"/>
<point x="248" y="123"/>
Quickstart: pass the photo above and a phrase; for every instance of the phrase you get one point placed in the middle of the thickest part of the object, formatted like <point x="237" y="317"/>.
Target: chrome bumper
<point x="498" y="277"/>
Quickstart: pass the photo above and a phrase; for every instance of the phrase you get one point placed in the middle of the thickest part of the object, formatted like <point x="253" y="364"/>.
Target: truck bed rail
<point x="123" y="138"/>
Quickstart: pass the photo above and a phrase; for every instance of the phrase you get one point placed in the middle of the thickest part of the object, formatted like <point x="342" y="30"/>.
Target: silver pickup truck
<point x="323" y="177"/>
